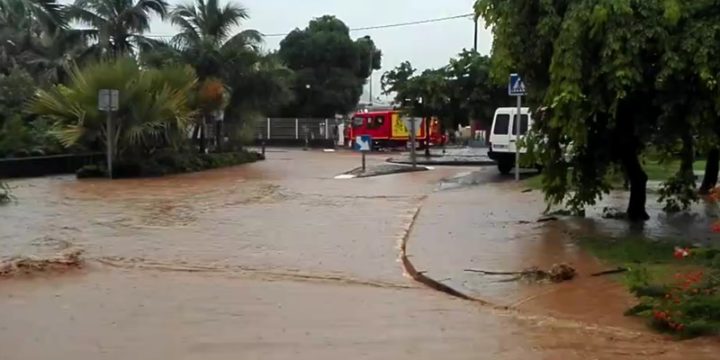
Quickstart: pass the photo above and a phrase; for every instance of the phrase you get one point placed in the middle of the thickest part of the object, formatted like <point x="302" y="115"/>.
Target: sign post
<point x="363" y="144"/>
<point x="108" y="101"/>
<point x="516" y="87"/>
<point x="413" y="124"/>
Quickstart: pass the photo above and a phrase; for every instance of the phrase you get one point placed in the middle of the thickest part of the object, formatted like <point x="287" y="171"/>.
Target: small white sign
<point x="108" y="100"/>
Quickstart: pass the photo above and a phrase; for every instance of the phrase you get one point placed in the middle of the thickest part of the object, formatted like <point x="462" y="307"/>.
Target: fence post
<point x="268" y="128"/>
<point x="327" y="136"/>
<point x="297" y="129"/>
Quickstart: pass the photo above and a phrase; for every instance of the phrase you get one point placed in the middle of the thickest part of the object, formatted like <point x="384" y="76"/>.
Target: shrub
<point x="91" y="171"/>
<point x="154" y="107"/>
<point x="167" y="162"/>
<point x="688" y="305"/>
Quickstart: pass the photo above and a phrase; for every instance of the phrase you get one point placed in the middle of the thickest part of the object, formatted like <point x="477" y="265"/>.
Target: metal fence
<point x="297" y="129"/>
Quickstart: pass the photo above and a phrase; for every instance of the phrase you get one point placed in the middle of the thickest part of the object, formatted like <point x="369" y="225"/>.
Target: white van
<point x="503" y="136"/>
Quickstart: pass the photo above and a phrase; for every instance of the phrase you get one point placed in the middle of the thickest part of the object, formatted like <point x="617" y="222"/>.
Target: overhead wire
<point x="366" y="28"/>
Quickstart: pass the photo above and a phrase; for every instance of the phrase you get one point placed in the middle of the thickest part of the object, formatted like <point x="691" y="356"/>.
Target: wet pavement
<point x="496" y="229"/>
<point x="278" y="260"/>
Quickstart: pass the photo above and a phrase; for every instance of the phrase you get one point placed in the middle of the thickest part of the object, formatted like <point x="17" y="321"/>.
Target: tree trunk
<point x="687" y="158"/>
<point x="711" y="171"/>
<point x="427" y="137"/>
<point x="638" y="186"/>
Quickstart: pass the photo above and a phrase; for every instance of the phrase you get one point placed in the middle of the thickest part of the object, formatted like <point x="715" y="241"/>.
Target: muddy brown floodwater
<point x="278" y="260"/>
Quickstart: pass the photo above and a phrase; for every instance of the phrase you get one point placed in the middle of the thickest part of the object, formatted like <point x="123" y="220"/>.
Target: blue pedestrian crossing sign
<point x="363" y="143"/>
<point x="516" y="86"/>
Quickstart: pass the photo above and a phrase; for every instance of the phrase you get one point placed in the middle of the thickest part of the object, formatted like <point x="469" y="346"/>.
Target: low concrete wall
<point x="47" y="165"/>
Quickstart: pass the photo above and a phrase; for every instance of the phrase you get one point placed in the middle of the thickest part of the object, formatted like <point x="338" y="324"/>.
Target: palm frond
<point x="154" y="107"/>
<point x="251" y="39"/>
<point x="48" y="12"/>
<point x="82" y="12"/>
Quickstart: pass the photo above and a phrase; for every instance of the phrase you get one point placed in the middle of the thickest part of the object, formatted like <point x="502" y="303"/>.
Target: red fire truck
<point x="388" y="130"/>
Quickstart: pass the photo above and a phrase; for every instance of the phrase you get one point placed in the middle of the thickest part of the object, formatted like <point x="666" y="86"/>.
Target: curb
<point x="420" y="277"/>
<point x="445" y="163"/>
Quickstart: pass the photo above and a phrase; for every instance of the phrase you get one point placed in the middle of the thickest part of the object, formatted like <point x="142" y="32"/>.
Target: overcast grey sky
<point x="427" y="45"/>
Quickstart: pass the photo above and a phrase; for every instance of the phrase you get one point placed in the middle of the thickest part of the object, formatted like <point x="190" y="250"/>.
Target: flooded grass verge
<point x="677" y="288"/>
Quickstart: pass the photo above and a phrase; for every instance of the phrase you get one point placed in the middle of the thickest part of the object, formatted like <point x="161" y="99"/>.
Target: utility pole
<point x="370" y="68"/>
<point x="476" y="34"/>
<point x="370" y="82"/>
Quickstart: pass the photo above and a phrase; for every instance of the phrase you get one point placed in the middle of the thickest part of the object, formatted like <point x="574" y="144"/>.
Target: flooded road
<point x="278" y="260"/>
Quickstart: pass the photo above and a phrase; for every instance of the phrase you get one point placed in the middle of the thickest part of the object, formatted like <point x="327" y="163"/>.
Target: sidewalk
<point x="494" y="227"/>
<point x="452" y="156"/>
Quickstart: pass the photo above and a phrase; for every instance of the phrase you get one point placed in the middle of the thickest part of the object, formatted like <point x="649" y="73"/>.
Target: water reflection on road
<point x="274" y="260"/>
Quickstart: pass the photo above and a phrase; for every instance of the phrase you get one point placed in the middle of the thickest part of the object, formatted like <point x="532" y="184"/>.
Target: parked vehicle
<point x="388" y="130"/>
<point x="504" y="137"/>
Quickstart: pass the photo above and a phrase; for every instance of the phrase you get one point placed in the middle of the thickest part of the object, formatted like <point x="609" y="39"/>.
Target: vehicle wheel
<point x="505" y="167"/>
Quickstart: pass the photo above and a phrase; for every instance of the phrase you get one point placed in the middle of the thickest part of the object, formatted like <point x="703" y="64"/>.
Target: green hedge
<point x="169" y="163"/>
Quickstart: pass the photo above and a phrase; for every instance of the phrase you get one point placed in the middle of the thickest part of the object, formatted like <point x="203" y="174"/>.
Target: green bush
<point x="16" y="89"/>
<point x="167" y="162"/>
<point x="678" y="288"/>
<point x="689" y="307"/>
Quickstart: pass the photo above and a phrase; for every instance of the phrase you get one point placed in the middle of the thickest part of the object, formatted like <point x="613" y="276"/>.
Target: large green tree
<point x="330" y="67"/>
<point x="472" y="89"/>
<point x="595" y="66"/>
<point x="457" y="92"/>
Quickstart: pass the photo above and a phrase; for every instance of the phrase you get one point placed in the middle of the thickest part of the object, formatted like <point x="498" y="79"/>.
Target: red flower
<point x="681" y="253"/>
<point x="716" y="227"/>
<point x="661" y="315"/>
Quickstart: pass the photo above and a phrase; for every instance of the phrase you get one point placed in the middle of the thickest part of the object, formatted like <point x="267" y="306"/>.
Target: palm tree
<point x="22" y="23"/>
<point x="205" y="36"/>
<point x="118" y="25"/>
<point x="205" y="41"/>
<point x="154" y="110"/>
<point x="32" y="15"/>
<point x="50" y="57"/>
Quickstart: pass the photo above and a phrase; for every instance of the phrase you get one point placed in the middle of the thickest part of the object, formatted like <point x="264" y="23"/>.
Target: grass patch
<point x="534" y="182"/>
<point x="654" y="169"/>
<point x="662" y="171"/>
<point x="678" y="292"/>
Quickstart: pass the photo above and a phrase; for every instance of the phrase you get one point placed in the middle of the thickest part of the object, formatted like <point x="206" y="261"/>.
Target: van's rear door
<point x="500" y="135"/>
<point x="525" y="123"/>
